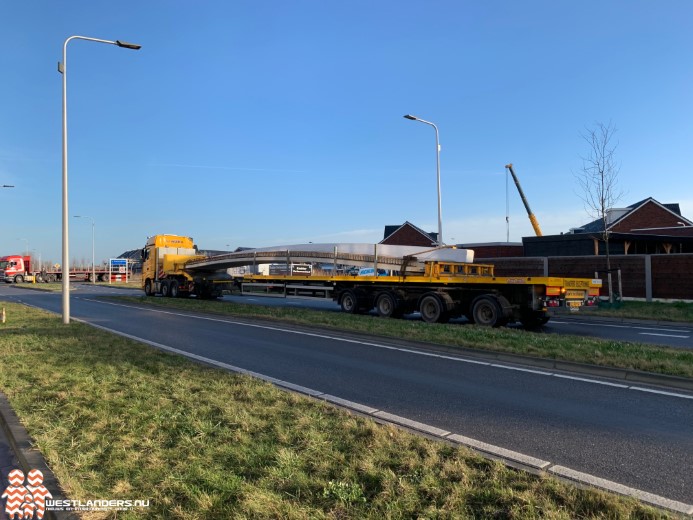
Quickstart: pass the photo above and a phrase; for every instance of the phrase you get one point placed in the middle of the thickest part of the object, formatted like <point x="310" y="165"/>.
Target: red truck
<point x="19" y="268"/>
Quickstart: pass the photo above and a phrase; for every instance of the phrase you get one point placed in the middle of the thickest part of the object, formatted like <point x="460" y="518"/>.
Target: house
<point x="646" y="227"/>
<point x="408" y="234"/>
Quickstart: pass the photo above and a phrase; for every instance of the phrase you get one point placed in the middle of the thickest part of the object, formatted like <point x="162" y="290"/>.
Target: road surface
<point x="632" y="435"/>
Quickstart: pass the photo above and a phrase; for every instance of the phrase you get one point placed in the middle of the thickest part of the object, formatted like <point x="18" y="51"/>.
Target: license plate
<point x="574" y="305"/>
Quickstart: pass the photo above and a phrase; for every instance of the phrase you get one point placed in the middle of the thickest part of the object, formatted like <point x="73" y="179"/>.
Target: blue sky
<point x="259" y="123"/>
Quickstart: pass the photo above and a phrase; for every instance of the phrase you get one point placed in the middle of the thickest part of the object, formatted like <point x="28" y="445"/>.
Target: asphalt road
<point x="634" y="437"/>
<point x="674" y="335"/>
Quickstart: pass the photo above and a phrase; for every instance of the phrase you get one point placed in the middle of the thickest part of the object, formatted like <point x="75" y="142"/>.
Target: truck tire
<point x="349" y="302"/>
<point x="148" y="288"/>
<point x="51" y="278"/>
<point x="487" y="312"/>
<point x="103" y="277"/>
<point x="432" y="309"/>
<point x="18" y="279"/>
<point x="173" y="290"/>
<point x="165" y="289"/>
<point x="388" y="306"/>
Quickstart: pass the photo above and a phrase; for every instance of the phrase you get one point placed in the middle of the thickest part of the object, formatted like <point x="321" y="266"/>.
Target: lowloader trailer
<point x="443" y="291"/>
<point x="440" y="283"/>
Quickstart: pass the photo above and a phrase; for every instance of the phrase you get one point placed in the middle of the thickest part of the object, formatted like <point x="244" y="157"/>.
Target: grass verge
<point x="634" y="356"/>
<point x="119" y="420"/>
<point x="676" y="311"/>
<point x="75" y="286"/>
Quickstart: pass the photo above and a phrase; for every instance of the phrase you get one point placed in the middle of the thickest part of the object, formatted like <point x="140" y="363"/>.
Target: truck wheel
<point x="388" y="306"/>
<point x="349" y="302"/>
<point x="148" y="288"/>
<point x="38" y="278"/>
<point x="51" y="278"/>
<point x="165" y="289"/>
<point x="487" y="312"/>
<point x="432" y="309"/>
<point x="19" y="279"/>
<point x="173" y="290"/>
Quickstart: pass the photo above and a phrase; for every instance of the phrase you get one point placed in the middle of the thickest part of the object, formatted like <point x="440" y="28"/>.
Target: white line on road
<point x="480" y="446"/>
<point x="663" y="335"/>
<point x="613" y="326"/>
<point x="378" y="345"/>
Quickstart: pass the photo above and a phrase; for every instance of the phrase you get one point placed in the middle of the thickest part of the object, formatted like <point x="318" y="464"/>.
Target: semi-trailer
<point x="21" y="268"/>
<point x="439" y="283"/>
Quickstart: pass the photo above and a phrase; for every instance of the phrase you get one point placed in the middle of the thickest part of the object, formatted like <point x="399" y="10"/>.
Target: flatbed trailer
<point x="445" y="290"/>
<point x="440" y="283"/>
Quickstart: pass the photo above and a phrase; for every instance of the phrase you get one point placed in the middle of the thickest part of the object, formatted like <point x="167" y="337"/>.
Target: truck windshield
<point x="3" y="264"/>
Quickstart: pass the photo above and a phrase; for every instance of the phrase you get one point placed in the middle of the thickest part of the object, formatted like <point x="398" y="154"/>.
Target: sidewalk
<point x="17" y="452"/>
<point x="8" y="461"/>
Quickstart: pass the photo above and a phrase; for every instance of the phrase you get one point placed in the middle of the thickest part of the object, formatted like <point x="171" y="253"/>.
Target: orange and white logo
<point x="25" y="501"/>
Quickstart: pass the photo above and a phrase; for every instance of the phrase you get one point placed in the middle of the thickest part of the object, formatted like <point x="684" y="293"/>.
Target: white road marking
<point x="663" y="335"/>
<point x="614" y="326"/>
<point x="563" y="376"/>
<point x="381" y="346"/>
<point x="480" y="446"/>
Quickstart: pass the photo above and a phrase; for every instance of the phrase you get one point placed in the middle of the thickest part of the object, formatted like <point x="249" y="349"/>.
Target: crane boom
<point x="532" y="218"/>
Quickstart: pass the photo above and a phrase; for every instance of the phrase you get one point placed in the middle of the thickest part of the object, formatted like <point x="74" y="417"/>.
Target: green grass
<point x="635" y="356"/>
<point x="119" y="420"/>
<point x="677" y="311"/>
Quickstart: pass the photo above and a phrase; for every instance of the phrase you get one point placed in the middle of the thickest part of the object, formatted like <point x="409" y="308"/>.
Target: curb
<point x="29" y="457"/>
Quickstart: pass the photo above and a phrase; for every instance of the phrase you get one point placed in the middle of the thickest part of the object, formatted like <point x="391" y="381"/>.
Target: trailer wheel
<point x="349" y="302"/>
<point x="388" y="306"/>
<point x="487" y="312"/>
<point x="50" y="278"/>
<point x="165" y="289"/>
<point x="433" y="310"/>
<point x="173" y="290"/>
<point x="104" y="278"/>
<point x="19" y="279"/>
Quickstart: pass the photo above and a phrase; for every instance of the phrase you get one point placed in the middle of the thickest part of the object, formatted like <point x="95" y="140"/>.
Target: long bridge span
<point x="378" y="256"/>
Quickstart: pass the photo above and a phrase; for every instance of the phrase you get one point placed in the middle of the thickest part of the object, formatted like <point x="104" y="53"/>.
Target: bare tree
<point x="598" y="182"/>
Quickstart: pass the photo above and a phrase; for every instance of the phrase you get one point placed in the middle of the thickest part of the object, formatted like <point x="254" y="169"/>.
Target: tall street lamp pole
<point x="26" y="240"/>
<point x="93" y="265"/>
<point x="440" y="217"/>
<point x="62" y="68"/>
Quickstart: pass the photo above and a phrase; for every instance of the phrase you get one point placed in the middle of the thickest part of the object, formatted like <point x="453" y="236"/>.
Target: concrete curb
<point x="29" y="457"/>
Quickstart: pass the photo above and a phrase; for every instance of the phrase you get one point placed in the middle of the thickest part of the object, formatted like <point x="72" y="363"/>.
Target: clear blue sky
<point x="259" y="123"/>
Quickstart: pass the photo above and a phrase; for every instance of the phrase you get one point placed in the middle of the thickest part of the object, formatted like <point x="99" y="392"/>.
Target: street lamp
<point x="62" y="68"/>
<point x="93" y="265"/>
<point x="27" y="244"/>
<point x="440" y="217"/>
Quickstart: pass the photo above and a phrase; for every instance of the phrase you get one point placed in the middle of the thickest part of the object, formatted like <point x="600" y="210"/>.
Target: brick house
<point x="646" y="227"/>
<point x="408" y="234"/>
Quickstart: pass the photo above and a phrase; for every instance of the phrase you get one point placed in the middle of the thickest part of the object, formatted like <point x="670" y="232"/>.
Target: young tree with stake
<point x="598" y="182"/>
